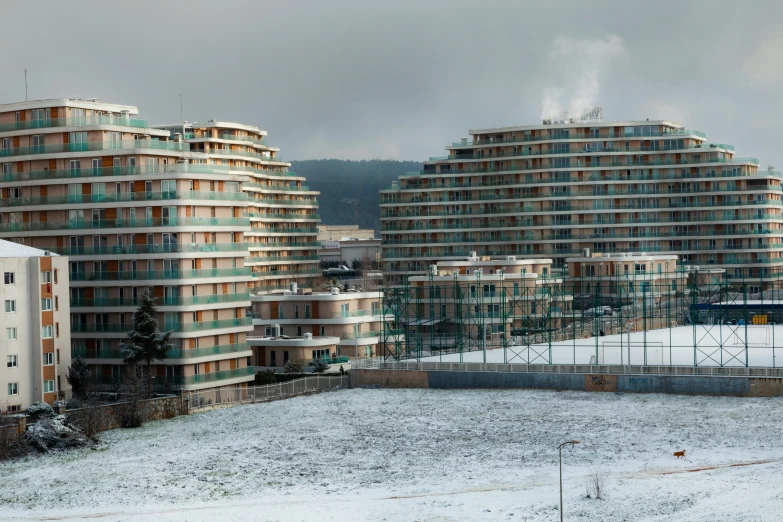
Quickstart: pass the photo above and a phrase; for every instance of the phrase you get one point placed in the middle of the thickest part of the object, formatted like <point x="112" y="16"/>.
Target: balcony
<point x="174" y="353"/>
<point x="355" y="313"/>
<point x="125" y="223"/>
<point x="161" y="248"/>
<point x="361" y="335"/>
<point x="144" y="275"/>
<point x="60" y="148"/>
<point x="270" y="201"/>
<point x="234" y="137"/>
<point x="114" y="197"/>
<point x="74" y="122"/>
<point x="257" y="215"/>
<point x="166" y="327"/>
<point x="212" y="377"/>
<point x="161" y="301"/>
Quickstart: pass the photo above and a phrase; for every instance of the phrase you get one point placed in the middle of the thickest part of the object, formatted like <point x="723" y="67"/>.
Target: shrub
<point x="41" y="409"/>
<point x="320" y="365"/>
<point x="265" y="377"/>
<point x="292" y="366"/>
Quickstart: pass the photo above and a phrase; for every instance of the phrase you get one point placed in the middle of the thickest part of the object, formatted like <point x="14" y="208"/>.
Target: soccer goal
<point x="757" y="335"/>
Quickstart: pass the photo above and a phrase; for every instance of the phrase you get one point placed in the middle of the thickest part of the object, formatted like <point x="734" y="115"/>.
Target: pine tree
<point x="79" y="377"/>
<point x="145" y="343"/>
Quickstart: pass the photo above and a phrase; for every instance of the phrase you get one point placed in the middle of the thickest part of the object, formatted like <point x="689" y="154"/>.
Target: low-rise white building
<point x="35" y="338"/>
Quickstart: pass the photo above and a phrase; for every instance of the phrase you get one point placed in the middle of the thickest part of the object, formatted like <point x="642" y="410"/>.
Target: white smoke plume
<point x="580" y="65"/>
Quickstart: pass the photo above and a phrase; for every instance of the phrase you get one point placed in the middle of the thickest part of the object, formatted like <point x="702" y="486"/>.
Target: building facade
<point x="133" y="207"/>
<point x="283" y="213"/>
<point x="35" y="342"/>
<point x="553" y="190"/>
<point x="352" y="318"/>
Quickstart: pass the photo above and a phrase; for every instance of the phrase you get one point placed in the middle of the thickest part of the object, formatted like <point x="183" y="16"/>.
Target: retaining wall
<point x="673" y="384"/>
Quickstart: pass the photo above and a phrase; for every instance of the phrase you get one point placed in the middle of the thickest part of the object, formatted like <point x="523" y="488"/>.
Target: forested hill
<point x="349" y="189"/>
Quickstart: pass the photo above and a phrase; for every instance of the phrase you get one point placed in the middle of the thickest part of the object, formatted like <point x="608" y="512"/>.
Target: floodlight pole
<point x="560" y="451"/>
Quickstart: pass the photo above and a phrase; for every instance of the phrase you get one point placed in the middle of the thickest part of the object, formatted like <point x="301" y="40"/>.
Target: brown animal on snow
<point x="679" y="454"/>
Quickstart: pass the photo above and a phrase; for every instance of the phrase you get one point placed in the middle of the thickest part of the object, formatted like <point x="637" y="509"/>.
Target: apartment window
<point x="48" y="386"/>
<point x="46" y="332"/>
<point x="9" y="278"/>
<point x="46" y="277"/>
<point x="12" y="361"/>
<point x="299" y="331"/>
<point x="320" y="354"/>
<point x="323" y="331"/>
<point x="280" y="314"/>
<point x="46" y="304"/>
<point x="10" y="334"/>
<point x="268" y="331"/>
<point x="273" y="358"/>
<point x="56" y="303"/>
<point x="10" y="306"/>
<point x="307" y="311"/>
<point x="57" y="329"/>
<point x="13" y="388"/>
<point x="48" y="359"/>
<point x="296" y="311"/>
<point x="55" y="275"/>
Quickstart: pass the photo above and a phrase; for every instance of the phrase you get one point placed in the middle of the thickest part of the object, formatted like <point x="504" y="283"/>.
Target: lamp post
<point x="560" y="451"/>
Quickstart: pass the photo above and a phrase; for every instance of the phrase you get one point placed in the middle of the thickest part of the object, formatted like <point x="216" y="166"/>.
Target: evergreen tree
<point x="79" y="377"/>
<point x="145" y="343"/>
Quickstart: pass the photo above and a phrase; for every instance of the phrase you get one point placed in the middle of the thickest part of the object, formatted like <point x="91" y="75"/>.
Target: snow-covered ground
<point x="715" y="346"/>
<point x="368" y="454"/>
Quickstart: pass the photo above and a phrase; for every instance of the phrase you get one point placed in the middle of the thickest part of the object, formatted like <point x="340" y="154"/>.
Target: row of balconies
<point x="557" y="178"/>
<point x="122" y="197"/>
<point x="60" y="148"/>
<point x="175" y="326"/>
<point x="159" y="301"/>
<point x="171" y="354"/>
<point x="95" y="224"/>
<point x="151" y="275"/>
<point x="578" y="134"/>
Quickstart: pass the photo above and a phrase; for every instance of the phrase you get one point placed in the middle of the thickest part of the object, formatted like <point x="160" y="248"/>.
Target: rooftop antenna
<point x="25" y="85"/>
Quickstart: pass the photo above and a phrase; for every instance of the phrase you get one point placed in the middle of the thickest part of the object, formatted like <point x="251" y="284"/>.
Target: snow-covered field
<point x="367" y="454"/>
<point x="715" y="346"/>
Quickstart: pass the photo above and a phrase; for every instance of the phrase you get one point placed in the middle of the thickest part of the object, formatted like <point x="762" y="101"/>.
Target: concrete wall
<point x="673" y="384"/>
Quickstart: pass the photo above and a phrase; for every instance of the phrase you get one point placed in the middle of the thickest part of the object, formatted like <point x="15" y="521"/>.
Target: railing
<point x="270" y="201"/>
<point x="725" y="371"/>
<point x="174" y="353"/>
<point x="279" y="259"/>
<point x="577" y="136"/>
<point x="355" y="313"/>
<point x="74" y="122"/>
<point x="285" y="231"/>
<point x="258" y="215"/>
<point x="278" y="188"/>
<point x="206" y="399"/>
<point x="143" y="275"/>
<point x="114" y="197"/>
<point x="176" y="168"/>
<point x="211" y="377"/>
<point x="161" y="301"/>
<point x="95" y="145"/>
<point x="361" y="335"/>
<point x="124" y="223"/>
<point x="161" y="248"/>
<point x="170" y="326"/>
<point x="234" y="137"/>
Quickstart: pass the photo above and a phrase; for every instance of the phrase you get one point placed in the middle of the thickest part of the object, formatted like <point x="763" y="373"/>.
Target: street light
<point x="560" y="450"/>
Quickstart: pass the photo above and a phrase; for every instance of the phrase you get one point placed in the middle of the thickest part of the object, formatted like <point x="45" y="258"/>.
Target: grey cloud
<point x="358" y="79"/>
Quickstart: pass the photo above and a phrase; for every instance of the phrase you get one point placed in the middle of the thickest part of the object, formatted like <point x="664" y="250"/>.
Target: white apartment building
<point x="35" y="340"/>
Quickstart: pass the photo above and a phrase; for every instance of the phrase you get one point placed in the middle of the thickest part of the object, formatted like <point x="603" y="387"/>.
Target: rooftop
<point x="577" y="124"/>
<point x="85" y="103"/>
<point x="11" y="249"/>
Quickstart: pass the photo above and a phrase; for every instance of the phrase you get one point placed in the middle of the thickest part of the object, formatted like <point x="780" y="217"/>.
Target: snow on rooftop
<point x="11" y="249"/>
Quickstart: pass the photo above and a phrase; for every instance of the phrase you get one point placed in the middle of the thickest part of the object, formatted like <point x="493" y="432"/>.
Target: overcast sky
<point x="401" y="79"/>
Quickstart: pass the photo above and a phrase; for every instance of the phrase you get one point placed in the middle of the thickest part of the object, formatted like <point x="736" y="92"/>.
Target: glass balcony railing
<point x="292" y="202"/>
<point x="295" y="230"/>
<point x="145" y="275"/>
<point x="355" y="313"/>
<point x="165" y="327"/>
<point x="174" y="353"/>
<point x="277" y="188"/>
<point x="74" y="122"/>
<point x="176" y="168"/>
<point x="161" y="248"/>
<point x="360" y="335"/>
<point x="161" y="301"/>
<point x="212" y="377"/>
<point x="234" y="137"/>
<point x="114" y="197"/>
<point x="124" y="223"/>
<point x="257" y="215"/>
<point x="59" y="148"/>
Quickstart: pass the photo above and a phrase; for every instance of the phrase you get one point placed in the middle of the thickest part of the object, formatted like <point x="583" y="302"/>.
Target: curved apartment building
<point x="283" y="213"/>
<point x="133" y="208"/>
<point x="554" y="190"/>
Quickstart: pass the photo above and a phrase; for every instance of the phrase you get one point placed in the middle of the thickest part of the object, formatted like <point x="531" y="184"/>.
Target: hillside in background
<point x="349" y="189"/>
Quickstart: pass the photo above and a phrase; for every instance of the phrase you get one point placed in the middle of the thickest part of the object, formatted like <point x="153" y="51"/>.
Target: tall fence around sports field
<point x="696" y="317"/>
<point x="208" y="399"/>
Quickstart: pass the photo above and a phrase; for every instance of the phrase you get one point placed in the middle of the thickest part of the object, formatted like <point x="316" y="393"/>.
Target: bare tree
<point x="595" y="485"/>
